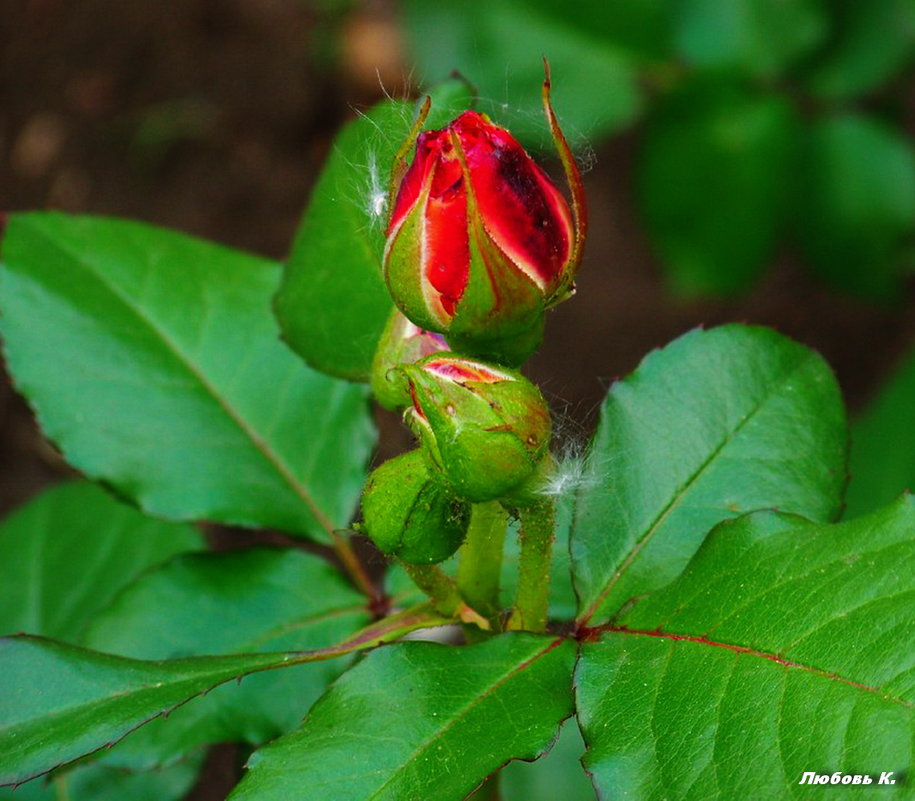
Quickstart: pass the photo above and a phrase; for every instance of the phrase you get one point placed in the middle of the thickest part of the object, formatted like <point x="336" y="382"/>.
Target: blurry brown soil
<point x="213" y="116"/>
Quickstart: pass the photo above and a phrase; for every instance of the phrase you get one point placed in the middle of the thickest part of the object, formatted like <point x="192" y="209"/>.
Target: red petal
<point x="446" y="248"/>
<point x="461" y="370"/>
<point x="524" y="213"/>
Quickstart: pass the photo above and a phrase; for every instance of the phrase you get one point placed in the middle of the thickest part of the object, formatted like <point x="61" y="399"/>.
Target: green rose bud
<point x="487" y="429"/>
<point x="410" y="513"/>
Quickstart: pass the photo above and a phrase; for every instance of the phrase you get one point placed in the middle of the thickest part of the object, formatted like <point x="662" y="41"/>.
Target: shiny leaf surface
<point x="718" y="423"/>
<point x="421" y="720"/>
<point x="152" y="360"/>
<point x="783" y="648"/>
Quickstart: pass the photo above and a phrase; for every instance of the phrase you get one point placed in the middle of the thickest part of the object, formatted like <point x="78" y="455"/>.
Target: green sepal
<point x="403" y="270"/>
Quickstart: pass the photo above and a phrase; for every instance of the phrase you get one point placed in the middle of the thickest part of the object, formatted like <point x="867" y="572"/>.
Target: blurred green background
<point x="747" y="160"/>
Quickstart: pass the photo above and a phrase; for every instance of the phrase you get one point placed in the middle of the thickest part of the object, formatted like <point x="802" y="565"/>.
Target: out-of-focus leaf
<point x="421" y="720"/>
<point x="242" y="601"/>
<point x="712" y="182"/>
<point x="153" y="361"/>
<point x="332" y="304"/>
<point x="883" y="445"/>
<point x="716" y="424"/>
<point x="97" y="782"/>
<point x="785" y="647"/>
<point x="762" y="37"/>
<point x="557" y="775"/>
<point x="856" y="205"/>
<point x="869" y="42"/>
<point x="641" y="29"/>
<point x="68" y="552"/>
<point x="499" y="47"/>
<point x="60" y="702"/>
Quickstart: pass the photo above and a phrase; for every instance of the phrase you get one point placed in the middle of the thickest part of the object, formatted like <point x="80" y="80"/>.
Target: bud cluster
<point x="480" y="244"/>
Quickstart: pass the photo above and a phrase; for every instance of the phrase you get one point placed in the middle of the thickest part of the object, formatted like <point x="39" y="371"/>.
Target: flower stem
<point x="480" y="568"/>
<point x="354" y="567"/>
<point x="533" y="597"/>
<point x="437" y="585"/>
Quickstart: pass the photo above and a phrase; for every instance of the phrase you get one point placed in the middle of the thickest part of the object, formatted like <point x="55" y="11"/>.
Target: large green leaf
<point x="60" y="702"/>
<point x="716" y="424"/>
<point x="333" y="304"/>
<point x="856" y="204"/>
<point x="712" y="180"/>
<point x="883" y="444"/>
<point x="421" y="720"/>
<point x="152" y="360"/>
<point x="67" y="553"/>
<point x="499" y="47"/>
<point x="63" y="557"/>
<point x="763" y="37"/>
<point x="869" y="43"/>
<point x="242" y="601"/>
<point x="784" y="648"/>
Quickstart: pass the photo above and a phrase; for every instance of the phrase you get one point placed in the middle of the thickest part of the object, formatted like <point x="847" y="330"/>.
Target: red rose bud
<point x="486" y="429"/>
<point x="402" y="342"/>
<point x="410" y="513"/>
<point x="480" y="241"/>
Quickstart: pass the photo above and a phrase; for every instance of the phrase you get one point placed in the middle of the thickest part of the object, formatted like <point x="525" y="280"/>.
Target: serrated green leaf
<point x="868" y="44"/>
<point x="783" y="648"/>
<point x="556" y="776"/>
<point x="152" y="360"/>
<point x="60" y="702"/>
<point x="68" y="552"/>
<point x="332" y="304"/>
<point x="883" y="445"/>
<point x="856" y="203"/>
<point x="499" y="47"/>
<point x="243" y="601"/>
<point x="716" y="424"/>
<point x="421" y="721"/>
<point x="713" y="174"/>
<point x="762" y="37"/>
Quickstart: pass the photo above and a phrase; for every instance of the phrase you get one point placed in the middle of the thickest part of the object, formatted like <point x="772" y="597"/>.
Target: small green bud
<point x="486" y="429"/>
<point x="409" y="513"/>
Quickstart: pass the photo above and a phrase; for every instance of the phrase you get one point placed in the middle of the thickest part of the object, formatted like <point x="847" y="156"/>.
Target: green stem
<point x="533" y="597"/>
<point x="353" y="566"/>
<point x="437" y="585"/>
<point x="480" y="569"/>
